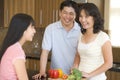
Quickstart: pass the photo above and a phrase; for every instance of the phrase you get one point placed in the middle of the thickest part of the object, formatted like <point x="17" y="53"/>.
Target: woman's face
<point x="86" y="21"/>
<point x="67" y="16"/>
<point x="29" y="33"/>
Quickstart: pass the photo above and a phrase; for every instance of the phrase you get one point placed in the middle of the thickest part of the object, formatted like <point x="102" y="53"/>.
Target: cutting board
<point x="62" y="79"/>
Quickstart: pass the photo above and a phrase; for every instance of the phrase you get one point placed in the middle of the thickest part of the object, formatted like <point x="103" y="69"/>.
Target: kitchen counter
<point x="116" y="67"/>
<point x="35" y="56"/>
<point x="62" y="79"/>
<point x="114" y="72"/>
<point x="31" y="73"/>
<point x="33" y="61"/>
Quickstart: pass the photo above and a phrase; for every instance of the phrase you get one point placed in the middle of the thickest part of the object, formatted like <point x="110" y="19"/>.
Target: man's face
<point x="67" y="16"/>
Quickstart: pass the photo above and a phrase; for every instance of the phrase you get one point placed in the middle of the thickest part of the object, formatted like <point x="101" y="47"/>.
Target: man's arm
<point x="43" y="62"/>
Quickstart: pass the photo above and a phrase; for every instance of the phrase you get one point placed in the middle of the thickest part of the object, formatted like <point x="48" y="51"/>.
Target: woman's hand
<point x="85" y="75"/>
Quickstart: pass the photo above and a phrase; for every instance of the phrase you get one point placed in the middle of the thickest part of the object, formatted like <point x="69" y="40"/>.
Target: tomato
<point x="50" y="73"/>
<point x="56" y="74"/>
<point x="53" y="73"/>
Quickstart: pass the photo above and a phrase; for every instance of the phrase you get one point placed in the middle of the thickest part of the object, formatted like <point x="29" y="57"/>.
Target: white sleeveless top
<point x="91" y="56"/>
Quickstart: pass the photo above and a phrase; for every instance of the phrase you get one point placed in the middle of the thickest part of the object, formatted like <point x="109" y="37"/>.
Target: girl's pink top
<point x="7" y="69"/>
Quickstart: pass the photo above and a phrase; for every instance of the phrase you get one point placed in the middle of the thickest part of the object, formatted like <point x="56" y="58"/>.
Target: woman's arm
<point x="76" y="60"/>
<point x="108" y="60"/>
<point x="20" y="68"/>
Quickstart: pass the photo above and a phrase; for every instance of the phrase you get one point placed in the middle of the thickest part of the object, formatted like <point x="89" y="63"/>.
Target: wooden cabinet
<point x="34" y="64"/>
<point x="11" y="7"/>
<point x="1" y="13"/>
<point x="112" y="75"/>
<point x="46" y="12"/>
<point x="43" y="11"/>
<point x="116" y="54"/>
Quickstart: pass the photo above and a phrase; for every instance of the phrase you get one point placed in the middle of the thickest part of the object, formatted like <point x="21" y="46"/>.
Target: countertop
<point x="116" y="65"/>
<point x="31" y="73"/>
<point x="115" y="68"/>
<point x="35" y="56"/>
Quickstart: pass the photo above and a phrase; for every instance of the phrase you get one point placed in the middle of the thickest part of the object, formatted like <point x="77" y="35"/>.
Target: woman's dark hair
<point x="19" y="23"/>
<point x="69" y="3"/>
<point x="92" y="10"/>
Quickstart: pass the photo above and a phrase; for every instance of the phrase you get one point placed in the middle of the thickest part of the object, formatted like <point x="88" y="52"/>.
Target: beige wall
<point x="103" y="6"/>
<point x="106" y="13"/>
<point x="99" y="4"/>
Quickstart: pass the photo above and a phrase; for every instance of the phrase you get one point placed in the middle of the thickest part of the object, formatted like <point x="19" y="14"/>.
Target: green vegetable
<point x="76" y="75"/>
<point x="78" y="78"/>
<point x="71" y="77"/>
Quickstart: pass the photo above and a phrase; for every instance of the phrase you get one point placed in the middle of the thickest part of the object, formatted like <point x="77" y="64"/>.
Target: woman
<point x="94" y="55"/>
<point x="12" y="65"/>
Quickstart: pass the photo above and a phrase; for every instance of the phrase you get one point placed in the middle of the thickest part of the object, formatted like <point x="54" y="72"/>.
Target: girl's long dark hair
<point x="19" y="23"/>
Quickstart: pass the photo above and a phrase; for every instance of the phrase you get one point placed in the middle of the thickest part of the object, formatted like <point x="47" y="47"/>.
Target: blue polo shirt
<point x="63" y="45"/>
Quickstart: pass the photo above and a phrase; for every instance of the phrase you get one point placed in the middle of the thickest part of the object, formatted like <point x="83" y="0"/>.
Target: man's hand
<point x="39" y="76"/>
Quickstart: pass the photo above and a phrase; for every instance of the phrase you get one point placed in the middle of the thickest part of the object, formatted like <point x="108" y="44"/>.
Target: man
<point x="61" y="39"/>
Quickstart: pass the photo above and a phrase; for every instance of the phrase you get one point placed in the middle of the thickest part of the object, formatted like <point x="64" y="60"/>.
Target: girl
<point x="12" y="65"/>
